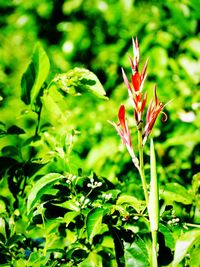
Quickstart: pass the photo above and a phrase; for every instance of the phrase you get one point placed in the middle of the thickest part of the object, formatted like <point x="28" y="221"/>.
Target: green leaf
<point x="137" y="204"/>
<point x="136" y="254"/>
<point x="15" y="130"/>
<point x="194" y="256"/>
<point x="69" y="204"/>
<point x="19" y="263"/>
<point x="94" y="223"/>
<point x="93" y="260"/>
<point x="34" y="76"/>
<point x="55" y="114"/>
<point x="169" y="239"/>
<point x="79" y="80"/>
<point x="12" y="241"/>
<point x="175" y="192"/>
<point x="196" y="190"/>
<point x="40" y="188"/>
<point x="70" y="216"/>
<point x="2" y="229"/>
<point x="183" y="244"/>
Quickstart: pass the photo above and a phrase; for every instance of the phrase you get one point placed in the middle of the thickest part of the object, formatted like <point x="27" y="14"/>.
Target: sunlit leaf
<point x="69" y="204"/>
<point x="2" y="230"/>
<point x="94" y="223"/>
<point x="137" y="204"/>
<point x="169" y="239"/>
<point x="194" y="256"/>
<point x="78" y="81"/>
<point x="176" y="192"/>
<point x="69" y="216"/>
<point x="136" y="254"/>
<point x="40" y="188"/>
<point x="183" y="244"/>
<point x="93" y="260"/>
<point x="35" y="75"/>
<point x="54" y="111"/>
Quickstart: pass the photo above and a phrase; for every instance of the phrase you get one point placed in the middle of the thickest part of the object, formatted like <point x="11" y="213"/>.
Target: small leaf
<point x="54" y="109"/>
<point x="69" y="204"/>
<point x="169" y="239"/>
<point x="194" y="256"/>
<point x="94" y="223"/>
<point x="174" y="192"/>
<point x="15" y="130"/>
<point x="79" y="80"/>
<point x="2" y="129"/>
<point x="137" y="204"/>
<point x="70" y="216"/>
<point x="93" y="260"/>
<point x="183" y="244"/>
<point x="136" y="254"/>
<point x="12" y="241"/>
<point x="40" y="188"/>
<point x="34" y="76"/>
<point x="2" y="229"/>
<point x="10" y="151"/>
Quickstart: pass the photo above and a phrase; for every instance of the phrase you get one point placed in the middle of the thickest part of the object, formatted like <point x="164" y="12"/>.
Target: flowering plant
<point x="139" y="100"/>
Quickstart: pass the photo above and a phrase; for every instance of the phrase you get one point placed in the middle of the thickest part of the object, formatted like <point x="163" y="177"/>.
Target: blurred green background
<point x="96" y="34"/>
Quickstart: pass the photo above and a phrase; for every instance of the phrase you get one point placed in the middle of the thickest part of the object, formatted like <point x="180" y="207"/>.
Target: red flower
<point x="135" y="91"/>
<point x="123" y="131"/>
<point x="155" y="107"/>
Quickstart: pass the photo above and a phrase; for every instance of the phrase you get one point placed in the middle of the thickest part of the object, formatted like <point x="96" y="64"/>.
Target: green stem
<point x="141" y="164"/>
<point x="44" y="229"/>
<point x="154" y="249"/>
<point x="153" y="205"/>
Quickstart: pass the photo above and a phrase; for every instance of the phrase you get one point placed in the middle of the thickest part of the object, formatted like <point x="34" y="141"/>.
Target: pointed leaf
<point x="94" y="223"/>
<point x="15" y="130"/>
<point x="136" y="254"/>
<point x="40" y="188"/>
<point x="78" y="81"/>
<point x="169" y="239"/>
<point x="93" y="260"/>
<point x="176" y="192"/>
<point x="137" y="204"/>
<point x="35" y="75"/>
<point x="183" y="244"/>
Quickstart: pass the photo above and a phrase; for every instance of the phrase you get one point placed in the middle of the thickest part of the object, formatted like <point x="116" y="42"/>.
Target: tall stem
<point x="153" y="206"/>
<point x="141" y="164"/>
<point x="154" y="249"/>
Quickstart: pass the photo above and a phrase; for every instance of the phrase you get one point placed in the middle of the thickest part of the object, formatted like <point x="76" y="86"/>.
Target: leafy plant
<point x="69" y="195"/>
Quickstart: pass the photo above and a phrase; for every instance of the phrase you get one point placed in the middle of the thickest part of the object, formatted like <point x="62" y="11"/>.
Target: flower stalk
<point x="155" y="107"/>
<point x="141" y="162"/>
<point x="153" y="205"/>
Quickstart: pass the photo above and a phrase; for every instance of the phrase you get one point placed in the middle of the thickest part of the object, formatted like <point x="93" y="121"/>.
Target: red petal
<point x="144" y="69"/>
<point x="126" y="81"/>
<point x="132" y="65"/>
<point x="144" y="102"/>
<point x="121" y="116"/>
<point x="136" y="81"/>
<point x="155" y="96"/>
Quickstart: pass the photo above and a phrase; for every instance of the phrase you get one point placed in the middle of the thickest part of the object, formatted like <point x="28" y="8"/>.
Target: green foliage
<point x="35" y="76"/>
<point x="69" y="194"/>
<point x="77" y="81"/>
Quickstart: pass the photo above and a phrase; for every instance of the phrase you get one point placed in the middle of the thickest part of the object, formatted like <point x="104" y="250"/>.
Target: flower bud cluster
<point x="138" y="100"/>
<point x="94" y="184"/>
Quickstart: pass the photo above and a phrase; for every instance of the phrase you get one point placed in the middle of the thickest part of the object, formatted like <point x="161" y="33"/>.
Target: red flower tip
<point x="121" y="116"/>
<point x="126" y="81"/>
<point x="154" y="109"/>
